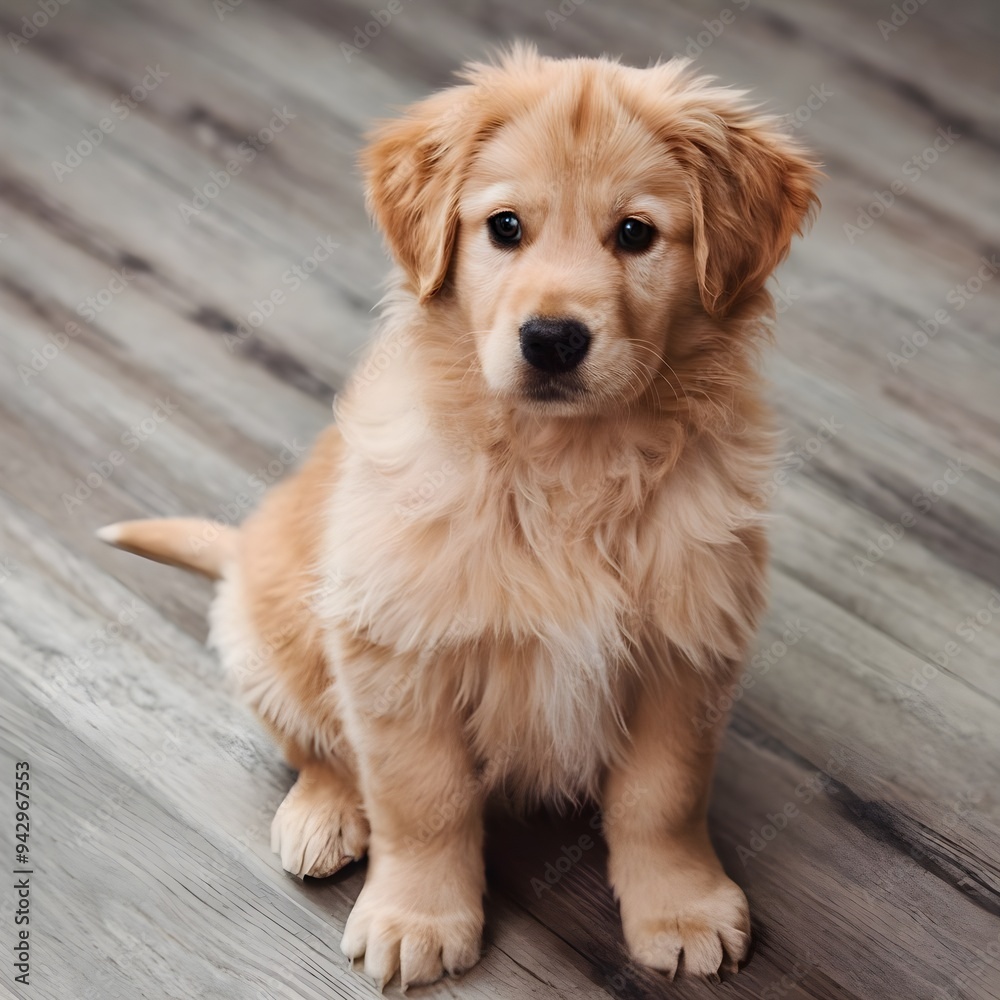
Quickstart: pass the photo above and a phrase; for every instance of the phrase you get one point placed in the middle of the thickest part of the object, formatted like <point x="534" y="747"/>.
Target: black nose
<point x="554" y="345"/>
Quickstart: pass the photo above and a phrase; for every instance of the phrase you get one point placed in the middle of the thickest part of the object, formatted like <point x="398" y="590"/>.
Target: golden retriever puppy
<point x="527" y="560"/>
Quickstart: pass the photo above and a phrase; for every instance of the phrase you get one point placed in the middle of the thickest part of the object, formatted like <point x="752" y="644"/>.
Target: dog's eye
<point x="635" y="235"/>
<point x="505" y="228"/>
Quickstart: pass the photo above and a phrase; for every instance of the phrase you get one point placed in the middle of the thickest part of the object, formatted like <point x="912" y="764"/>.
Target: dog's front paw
<point x="695" y="922"/>
<point x="416" y="922"/>
<point x="320" y="827"/>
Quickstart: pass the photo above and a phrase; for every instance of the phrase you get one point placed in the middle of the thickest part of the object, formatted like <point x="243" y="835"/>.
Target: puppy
<point x="527" y="560"/>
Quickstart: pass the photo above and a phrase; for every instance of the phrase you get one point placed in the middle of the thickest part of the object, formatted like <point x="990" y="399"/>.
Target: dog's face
<point x="574" y="248"/>
<point x="578" y="214"/>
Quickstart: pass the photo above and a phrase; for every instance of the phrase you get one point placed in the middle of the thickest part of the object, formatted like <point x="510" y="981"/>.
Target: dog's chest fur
<point x="517" y="575"/>
<point x="521" y="587"/>
<point x="512" y="583"/>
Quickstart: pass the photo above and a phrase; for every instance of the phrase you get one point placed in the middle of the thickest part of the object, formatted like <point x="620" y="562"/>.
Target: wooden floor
<point x="872" y="727"/>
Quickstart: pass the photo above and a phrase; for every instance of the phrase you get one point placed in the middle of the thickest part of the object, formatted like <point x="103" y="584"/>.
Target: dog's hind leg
<point x="267" y="623"/>
<point x="282" y="675"/>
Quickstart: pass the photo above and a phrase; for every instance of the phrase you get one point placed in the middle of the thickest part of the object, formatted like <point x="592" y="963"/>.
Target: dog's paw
<point x="424" y="928"/>
<point x="319" y="828"/>
<point x="689" y="927"/>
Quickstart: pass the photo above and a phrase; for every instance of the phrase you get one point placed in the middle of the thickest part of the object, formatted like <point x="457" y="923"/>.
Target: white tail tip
<point x="110" y="533"/>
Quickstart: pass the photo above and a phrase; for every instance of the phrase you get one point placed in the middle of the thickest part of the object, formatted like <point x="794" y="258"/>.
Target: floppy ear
<point x="751" y="197"/>
<point x="414" y="168"/>
<point x="752" y="187"/>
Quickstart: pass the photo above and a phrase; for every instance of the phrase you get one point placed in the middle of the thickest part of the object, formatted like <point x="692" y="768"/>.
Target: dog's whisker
<point x="663" y="361"/>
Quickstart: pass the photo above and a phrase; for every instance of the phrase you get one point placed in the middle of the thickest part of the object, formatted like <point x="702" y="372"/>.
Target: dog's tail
<point x="189" y="542"/>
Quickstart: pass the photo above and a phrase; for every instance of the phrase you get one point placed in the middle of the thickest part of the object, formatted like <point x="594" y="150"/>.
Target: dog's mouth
<point x="540" y="388"/>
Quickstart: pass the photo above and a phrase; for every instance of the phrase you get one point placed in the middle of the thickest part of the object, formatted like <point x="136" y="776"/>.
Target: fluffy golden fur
<point x="488" y="581"/>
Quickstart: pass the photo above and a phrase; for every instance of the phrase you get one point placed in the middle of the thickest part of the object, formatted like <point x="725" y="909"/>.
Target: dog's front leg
<point x="678" y="907"/>
<point x="421" y="908"/>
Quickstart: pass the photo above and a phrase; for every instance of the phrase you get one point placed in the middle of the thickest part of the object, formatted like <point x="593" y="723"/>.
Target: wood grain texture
<point x="871" y="718"/>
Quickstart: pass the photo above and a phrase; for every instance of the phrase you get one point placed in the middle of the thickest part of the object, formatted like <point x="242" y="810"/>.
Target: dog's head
<point x="577" y="213"/>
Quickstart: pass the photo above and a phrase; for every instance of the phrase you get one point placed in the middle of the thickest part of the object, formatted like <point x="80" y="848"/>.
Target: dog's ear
<point x="752" y="187"/>
<point x="753" y="192"/>
<point x="413" y="169"/>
